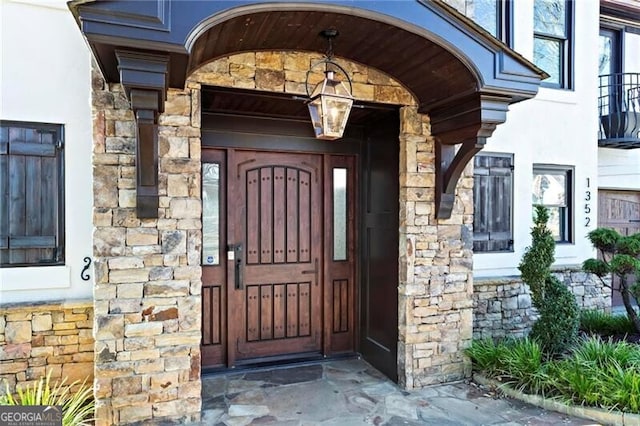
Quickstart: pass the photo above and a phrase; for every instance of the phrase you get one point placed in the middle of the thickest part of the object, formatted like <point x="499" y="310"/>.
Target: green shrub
<point x="523" y="366"/>
<point x="557" y="327"/>
<point x="597" y="267"/>
<point x="517" y="362"/>
<point x="486" y="356"/>
<point x="77" y="407"/>
<point x="576" y="383"/>
<point x="598" y="322"/>
<point x="535" y="266"/>
<point x="604" y="238"/>
<point x="622" y="388"/>
<point x="601" y="353"/>
<point x="619" y="257"/>
<point x="595" y="373"/>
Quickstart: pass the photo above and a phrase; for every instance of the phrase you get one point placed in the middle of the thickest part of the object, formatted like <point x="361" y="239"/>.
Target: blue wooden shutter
<point x="493" y="198"/>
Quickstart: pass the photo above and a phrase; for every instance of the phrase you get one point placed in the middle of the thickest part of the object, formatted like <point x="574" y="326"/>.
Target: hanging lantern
<point x="330" y="101"/>
<point x="329" y="107"/>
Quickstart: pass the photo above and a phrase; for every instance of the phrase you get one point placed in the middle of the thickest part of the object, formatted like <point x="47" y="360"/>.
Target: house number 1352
<point x="587" y="204"/>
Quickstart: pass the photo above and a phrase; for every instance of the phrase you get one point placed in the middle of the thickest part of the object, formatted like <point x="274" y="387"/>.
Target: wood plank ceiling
<point x="428" y="70"/>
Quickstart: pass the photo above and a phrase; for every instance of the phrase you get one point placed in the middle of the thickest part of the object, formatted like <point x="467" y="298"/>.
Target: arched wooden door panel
<point x="276" y="218"/>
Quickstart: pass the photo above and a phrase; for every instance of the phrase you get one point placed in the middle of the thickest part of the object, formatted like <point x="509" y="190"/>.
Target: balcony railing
<point x="619" y="108"/>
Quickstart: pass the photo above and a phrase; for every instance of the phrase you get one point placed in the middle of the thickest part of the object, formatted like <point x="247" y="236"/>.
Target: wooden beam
<point x="144" y="78"/>
<point x="461" y="129"/>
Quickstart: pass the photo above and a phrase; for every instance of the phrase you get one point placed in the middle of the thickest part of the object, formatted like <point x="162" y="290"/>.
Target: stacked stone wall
<point x="436" y="286"/>
<point x="42" y="339"/>
<point x="502" y="306"/>
<point x="147" y="291"/>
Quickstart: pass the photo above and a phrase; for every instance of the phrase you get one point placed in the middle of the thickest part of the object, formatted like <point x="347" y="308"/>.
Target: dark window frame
<point x="511" y="245"/>
<point x="618" y="33"/>
<point x="568" y="222"/>
<point x="505" y="22"/>
<point x="567" y="56"/>
<point x="58" y="253"/>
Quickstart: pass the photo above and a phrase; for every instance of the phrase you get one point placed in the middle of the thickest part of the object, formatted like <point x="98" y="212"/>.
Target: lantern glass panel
<point x="315" y="111"/>
<point x="329" y="108"/>
<point x="336" y="113"/>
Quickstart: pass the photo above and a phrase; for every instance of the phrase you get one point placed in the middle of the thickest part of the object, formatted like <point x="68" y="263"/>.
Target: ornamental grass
<point x="594" y="372"/>
<point x="77" y="407"/>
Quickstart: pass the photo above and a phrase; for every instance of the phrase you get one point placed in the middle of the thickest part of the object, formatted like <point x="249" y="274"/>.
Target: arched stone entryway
<point x="454" y="85"/>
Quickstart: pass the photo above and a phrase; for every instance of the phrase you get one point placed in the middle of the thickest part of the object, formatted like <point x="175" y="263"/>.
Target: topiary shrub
<point x="535" y="266"/>
<point x="559" y="321"/>
<point x="619" y="258"/>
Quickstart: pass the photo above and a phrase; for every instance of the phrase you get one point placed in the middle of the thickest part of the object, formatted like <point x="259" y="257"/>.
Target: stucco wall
<point x="45" y="77"/>
<point x="556" y="127"/>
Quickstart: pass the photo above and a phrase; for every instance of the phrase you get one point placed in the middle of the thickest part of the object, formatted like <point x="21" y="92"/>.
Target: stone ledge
<point x="607" y="417"/>
<point x="505" y="279"/>
<point x="48" y="305"/>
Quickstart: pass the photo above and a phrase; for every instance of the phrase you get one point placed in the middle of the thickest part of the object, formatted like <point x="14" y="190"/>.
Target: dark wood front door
<point x="275" y="216"/>
<point x="278" y="272"/>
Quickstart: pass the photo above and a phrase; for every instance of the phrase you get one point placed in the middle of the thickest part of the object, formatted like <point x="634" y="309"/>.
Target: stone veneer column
<point x="436" y="265"/>
<point x="147" y="293"/>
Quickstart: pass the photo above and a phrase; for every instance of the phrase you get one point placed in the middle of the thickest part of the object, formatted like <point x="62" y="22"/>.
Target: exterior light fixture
<point x="331" y="100"/>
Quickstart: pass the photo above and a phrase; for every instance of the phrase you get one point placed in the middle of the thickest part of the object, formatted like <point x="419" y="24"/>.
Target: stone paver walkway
<point x="351" y="392"/>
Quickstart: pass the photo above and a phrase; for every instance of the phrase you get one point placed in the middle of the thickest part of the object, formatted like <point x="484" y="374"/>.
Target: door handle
<point x="234" y="253"/>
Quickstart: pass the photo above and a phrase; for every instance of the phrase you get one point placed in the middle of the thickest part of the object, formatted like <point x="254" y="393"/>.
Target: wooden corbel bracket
<point x="461" y="130"/>
<point x="144" y="78"/>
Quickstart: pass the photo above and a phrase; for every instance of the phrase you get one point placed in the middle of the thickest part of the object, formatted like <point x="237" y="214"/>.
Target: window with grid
<point x="495" y="16"/>
<point x="493" y="203"/>
<point x="552" y="188"/>
<point x="552" y="44"/>
<point x="31" y="194"/>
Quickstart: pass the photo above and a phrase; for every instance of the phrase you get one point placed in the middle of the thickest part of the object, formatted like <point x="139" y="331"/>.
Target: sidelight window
<point x="31" y="194"/>
<point x="339" y="214"/>
<point x="210" y="214"/>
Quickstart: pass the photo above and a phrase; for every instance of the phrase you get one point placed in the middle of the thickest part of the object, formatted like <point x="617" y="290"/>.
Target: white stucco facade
<point x="557" y="127"/>
<point x="45" y="78"/>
